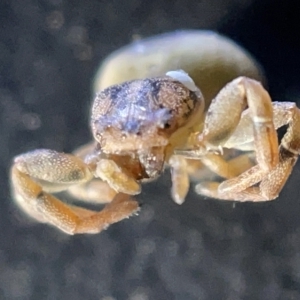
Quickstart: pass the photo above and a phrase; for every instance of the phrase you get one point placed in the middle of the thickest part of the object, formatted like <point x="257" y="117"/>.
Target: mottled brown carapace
<point x="142" y="114"/>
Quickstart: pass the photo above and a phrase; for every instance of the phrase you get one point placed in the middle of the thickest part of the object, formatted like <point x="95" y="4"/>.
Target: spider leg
<point x="225" y="113"/>
<point x="36" y="174"/>
<point x="95" y="190"/>
<point x="271" y="182"/>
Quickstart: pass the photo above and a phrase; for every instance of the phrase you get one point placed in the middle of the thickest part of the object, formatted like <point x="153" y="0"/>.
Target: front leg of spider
<point x="223" y="118"/>
<point x="36" y="174"/>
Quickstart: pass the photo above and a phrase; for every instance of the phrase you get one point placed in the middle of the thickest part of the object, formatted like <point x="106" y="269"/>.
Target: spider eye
<point x="184" y="78"/>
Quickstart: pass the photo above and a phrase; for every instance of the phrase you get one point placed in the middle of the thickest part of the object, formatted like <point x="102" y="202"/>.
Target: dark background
<point x="204" y="249"/>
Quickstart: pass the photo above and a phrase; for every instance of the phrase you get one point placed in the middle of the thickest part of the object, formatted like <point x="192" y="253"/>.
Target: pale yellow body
<point x="141" y="126"/>
<point x="211" y="59"/>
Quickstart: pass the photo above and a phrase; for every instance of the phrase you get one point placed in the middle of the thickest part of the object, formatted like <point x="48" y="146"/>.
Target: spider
<point x="143" y="125"/>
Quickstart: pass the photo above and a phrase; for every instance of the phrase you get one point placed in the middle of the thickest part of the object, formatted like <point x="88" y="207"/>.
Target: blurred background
<point x="204" y="249"/>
